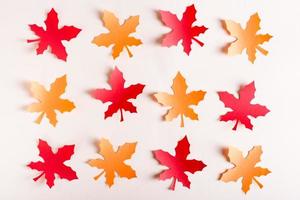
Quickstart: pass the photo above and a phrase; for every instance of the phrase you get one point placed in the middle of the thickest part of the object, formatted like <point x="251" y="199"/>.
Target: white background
<point x="276" y="77"/>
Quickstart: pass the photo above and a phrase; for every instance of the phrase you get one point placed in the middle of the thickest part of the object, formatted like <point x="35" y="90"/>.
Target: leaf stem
<point x="198" y="41"/>
<point x="122" y="118"/>
<point x="128" y="51"/>
<point x="39" y="119"/>
<point x="181" y="121"/>
<point x="34" y="40"/>
<point x="173" y="184"/>
<point x="262" y="50"/>
<point x="236" y="124"/>
<point x="258" y="183"/>
<point x="39" y="176"/>
<point x="98" y="176"/>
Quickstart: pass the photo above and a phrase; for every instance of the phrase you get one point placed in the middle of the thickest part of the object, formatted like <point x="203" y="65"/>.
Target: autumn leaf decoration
<point x="182" y="29"/>
<point x="245" y="168"/>
<point x="119" y="95"/>
<point x="113" y="162"/>
<point x="178" y="165"/>
<point x="54" y="163"/>
<point x="180" y="101"/>
<point x="53" y="36"/>
<point x="118" y="35"/>
<point x="247" y="38"/>
<point x="242" y="107"/>
<point x="49" y="101"/>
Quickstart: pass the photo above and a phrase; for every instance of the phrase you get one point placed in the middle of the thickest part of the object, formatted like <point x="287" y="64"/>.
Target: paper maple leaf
<point x="119" y="34"/>
<point x="119" y="96"/>
<point x="179" y="164"/>
<point x="113" y="162"/>
<point x="53" y="36"/>
<point x="54" y="163"/>
<point x="180" y="100"/>
<point x="182" y="29"/>
<point x="242" y="107"/>
<point x="245" y="168"/>
<point x="49" y="101"/>
<point x="247" y="38"/>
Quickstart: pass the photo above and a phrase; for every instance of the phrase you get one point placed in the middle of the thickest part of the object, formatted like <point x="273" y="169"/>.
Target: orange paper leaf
<point x="113" y="162"/>
<point x="180" y="101"/>
<point x="247" y="38"/>
<point x="245" y="167"/>
<point x="49" y="101"/>
<point x="118" y="34"/>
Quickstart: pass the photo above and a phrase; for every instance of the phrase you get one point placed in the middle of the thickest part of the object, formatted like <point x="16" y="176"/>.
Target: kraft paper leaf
<point x="182" y="29"/>
<point x="114" y="162"/>
<point x="180" y="101"/>
<point x="178" y="165"/>
<point x="242" y="107"/>
<point x="247" y="38"/>
<point x="245" y="168"/>
<point x="118" y="35"/>
<point x="54" y="163"/>
<point x="49" y="101"/>
<point x="119" y="95"/>
<point x="53" y="36"/>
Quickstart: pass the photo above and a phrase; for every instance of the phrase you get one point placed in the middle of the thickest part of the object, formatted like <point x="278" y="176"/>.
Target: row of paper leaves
<point x="119" y="96"/>
<point x="113" y="163"/>
<point x="119" y="34"/>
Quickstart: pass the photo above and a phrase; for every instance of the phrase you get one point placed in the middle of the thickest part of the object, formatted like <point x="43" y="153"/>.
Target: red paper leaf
<point x="182" y="29"/>
<point x="54" y="163"/>
<point x="178" y="164"/>
<point x="242" y="107"/>
<point x="118" y="95"/>
<point x="53" y="36"/>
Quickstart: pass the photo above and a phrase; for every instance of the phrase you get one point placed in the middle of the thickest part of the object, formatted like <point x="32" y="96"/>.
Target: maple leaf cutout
<point x="179" y="164"/>
<point x="119" y="95"/>
<point x="180" y="100"/>
<point x="182" y="29"/>
<point x="242" y="107"/>
<point x="247" y="38"/>
<point x="113" y="162"/>
<point x="53" y="36"/>
<point x="49" y="101"/>
<point x="245" y="168"/>
<point x="54" y="163"/>
<point x="118" y="35"/>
